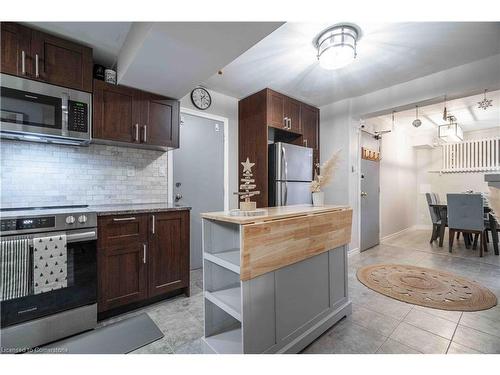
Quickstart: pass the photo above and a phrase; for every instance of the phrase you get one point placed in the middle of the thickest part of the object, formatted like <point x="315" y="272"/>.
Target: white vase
<point x="318" y="199"/>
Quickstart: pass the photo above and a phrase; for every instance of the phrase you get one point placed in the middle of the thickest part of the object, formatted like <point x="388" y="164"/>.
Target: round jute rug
<point x="427" y="287"/>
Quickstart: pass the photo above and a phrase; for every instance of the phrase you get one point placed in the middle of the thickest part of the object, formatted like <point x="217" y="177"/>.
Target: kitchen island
<point x="274" y="283"/>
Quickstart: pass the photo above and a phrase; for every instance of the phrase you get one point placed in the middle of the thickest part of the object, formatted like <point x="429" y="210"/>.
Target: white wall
<point x="398" y="182"/>
<point x="225" y="106"/>
<point x="340" y="120"/>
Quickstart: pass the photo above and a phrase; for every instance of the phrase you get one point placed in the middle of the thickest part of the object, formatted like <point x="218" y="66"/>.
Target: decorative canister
<point x="110" y="76"/>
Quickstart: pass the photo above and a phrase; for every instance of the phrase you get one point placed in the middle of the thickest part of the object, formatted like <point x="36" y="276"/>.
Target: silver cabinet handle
<point x="23" y="62"/>
<point x="124" y="218"/>
<point x="363" y="194"/>
<point x="144" y="253"/>
<point x="153" y="224"/>
<point x="37" y="74"/>
<point x="145" y="129"/>
<point x="136" y="132"/>
<point x="285" y="120"/>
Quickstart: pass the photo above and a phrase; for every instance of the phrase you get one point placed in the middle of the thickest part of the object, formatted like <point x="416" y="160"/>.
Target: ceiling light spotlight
<point x="336" y="46"/>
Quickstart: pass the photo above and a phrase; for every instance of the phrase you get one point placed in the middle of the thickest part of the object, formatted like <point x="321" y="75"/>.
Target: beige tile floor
<point x="378" y="324"/>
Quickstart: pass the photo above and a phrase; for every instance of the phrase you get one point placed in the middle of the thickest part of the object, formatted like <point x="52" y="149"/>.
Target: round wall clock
<point x="201" y="98"/>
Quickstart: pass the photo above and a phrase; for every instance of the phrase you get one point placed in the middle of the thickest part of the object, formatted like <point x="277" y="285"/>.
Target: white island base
<point x="274" y="285"/>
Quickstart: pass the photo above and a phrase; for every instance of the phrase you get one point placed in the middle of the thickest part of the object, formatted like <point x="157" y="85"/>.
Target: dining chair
<point x="438" y="221"/>
<point x="466" y="215"/>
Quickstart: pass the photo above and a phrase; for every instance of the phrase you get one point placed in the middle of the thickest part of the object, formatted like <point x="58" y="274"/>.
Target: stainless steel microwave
<point x="37" y="111"/>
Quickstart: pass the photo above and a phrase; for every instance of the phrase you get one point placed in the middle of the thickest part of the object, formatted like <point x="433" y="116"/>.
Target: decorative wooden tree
<point x="246" y="188"/>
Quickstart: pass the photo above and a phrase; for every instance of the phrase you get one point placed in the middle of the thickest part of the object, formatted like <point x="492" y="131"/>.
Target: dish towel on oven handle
<point x="14" y="268"/>
<point x="50" y="268"/>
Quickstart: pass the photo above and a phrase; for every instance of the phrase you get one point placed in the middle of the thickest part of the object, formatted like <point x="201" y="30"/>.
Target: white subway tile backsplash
<point x="34" y="174"/>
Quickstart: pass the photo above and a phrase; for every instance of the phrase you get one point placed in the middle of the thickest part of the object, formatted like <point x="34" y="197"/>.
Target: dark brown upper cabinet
<point x="160" y="124"/>
<point x="36" y="55"/>
<point x="134" y="118"/>
<point x="16" y="49"/>
<point x="283" y="112"/>
<point x="61" y="62"/>
<point x="310" y="129"/>
<point x="276" y="110"/>
<point x="117" y="113"/>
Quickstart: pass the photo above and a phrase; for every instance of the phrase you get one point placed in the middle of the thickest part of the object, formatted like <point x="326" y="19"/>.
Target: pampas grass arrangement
<point x="494" y="202"/>
<point x="324" y="175"/>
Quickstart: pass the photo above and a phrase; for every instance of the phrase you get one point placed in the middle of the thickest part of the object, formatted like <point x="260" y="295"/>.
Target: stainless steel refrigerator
<point x="290" y="174"/>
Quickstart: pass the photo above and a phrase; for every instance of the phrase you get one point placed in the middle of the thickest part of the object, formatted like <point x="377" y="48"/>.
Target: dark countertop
<point x="135" y="208"/>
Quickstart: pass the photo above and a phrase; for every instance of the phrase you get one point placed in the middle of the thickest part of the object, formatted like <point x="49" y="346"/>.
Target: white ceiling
<point x="171" y="58"/>
<point x="466" y="110"/>
<point x="388" y="54"/>
<point x="106" y="38"/>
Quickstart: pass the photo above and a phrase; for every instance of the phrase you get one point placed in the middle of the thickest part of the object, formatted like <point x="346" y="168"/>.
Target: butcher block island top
<point x="273" y="283"/>
<point x="287" y="234"/>
<point x="272" y="213"/>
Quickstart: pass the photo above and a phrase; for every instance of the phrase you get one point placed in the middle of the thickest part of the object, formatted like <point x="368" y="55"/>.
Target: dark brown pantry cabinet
<point x="134" y="118"/>
<point x="142" y="257"/>
<point x="269" y="116"/>
<point x="40" y="56"/>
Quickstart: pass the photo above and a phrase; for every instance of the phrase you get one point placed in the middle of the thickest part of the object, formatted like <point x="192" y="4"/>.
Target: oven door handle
<point x="92" y="235"/>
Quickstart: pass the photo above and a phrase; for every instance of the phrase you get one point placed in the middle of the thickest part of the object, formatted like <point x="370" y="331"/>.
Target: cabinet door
<point x="116" y="113"/>
<point x="168" y="255"/>
<point x="122" y="268"/>
<point x="61" y="62"/>
<point x="292" y="113"/>
<point x="310" y="129"/>
<point x="15" y="42"/>
<point x="310" y="126"/>
<point x="122" y="275"/>
<point x="160" y="121"/>
<point x="275" y="109"/>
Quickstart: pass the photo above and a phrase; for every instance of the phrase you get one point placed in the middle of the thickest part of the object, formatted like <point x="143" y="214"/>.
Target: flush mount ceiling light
<point x="336" y="46"/>
<point x="485" y="103"/>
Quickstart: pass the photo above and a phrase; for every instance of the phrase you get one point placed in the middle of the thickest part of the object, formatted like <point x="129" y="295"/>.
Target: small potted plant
<point x="323" y="175"/>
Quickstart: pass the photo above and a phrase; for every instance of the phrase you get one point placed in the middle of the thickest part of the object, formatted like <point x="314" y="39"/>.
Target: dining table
<point x="494" y="226"/>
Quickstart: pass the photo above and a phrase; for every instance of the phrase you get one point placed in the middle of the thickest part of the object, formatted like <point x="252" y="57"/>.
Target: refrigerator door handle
<point x="284" y="163"/>
<point x="286" y="193"/>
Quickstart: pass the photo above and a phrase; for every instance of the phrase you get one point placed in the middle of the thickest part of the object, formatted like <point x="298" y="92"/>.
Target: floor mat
<point x="427" y="287"/>
<point x="121" y="337"/>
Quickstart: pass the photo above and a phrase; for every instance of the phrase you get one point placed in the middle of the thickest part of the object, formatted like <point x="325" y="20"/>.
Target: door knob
<point x="178" y="197"/>
<point x="363" y="194"/>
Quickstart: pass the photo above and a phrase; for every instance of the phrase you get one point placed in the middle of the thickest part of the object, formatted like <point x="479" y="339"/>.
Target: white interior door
<point x="198" y="173"/>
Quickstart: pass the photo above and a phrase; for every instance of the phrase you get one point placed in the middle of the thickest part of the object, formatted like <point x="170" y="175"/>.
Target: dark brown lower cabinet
<point x="141" y="257"/>
<point x="169" y="253"/>
<point x="123" y="276"/>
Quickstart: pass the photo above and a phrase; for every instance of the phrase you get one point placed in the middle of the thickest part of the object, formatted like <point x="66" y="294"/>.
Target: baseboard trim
<point x="422" y="227"/>
<point x="392" y="235"/>
<point x="353" y="251"/>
